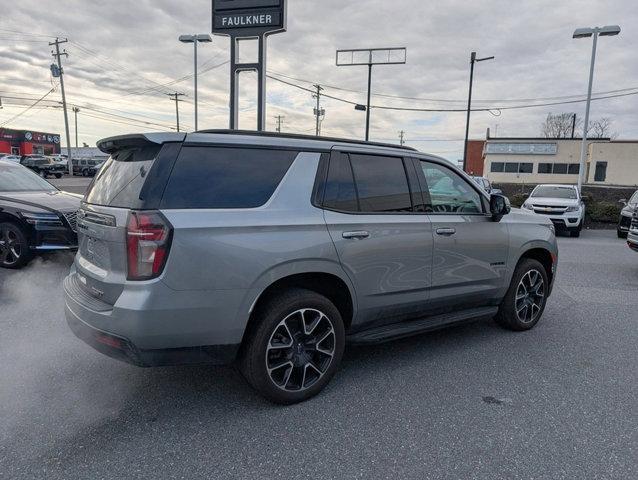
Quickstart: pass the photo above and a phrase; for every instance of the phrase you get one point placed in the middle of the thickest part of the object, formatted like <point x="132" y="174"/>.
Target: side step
<point x="408" y="328"/>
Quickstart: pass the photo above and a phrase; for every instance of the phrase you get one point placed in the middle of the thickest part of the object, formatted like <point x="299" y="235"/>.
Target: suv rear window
<point x="119" y="182"/>
<point x="218" y="177"/>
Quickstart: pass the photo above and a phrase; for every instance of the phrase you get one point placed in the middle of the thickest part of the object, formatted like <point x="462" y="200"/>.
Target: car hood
<point x="53" y="200"/>
<point x="558" y="202"/>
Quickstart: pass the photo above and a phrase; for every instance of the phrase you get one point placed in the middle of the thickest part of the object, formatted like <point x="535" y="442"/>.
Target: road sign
<point x="248" y="18"/>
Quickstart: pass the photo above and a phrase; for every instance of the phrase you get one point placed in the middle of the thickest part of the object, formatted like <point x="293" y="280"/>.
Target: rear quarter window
<point x="219" y="177"/>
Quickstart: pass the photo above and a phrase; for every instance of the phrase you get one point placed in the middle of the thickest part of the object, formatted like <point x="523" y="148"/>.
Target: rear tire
<point x="295" y="347"/>
<point x="525" y="300"/>
<point x="14" y="246"/>
<point x="58" y="175"/>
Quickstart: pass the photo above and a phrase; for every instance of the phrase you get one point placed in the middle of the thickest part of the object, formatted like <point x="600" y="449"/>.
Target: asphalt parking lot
<point x="71" y="184"/>
<point x="560" y="401"/>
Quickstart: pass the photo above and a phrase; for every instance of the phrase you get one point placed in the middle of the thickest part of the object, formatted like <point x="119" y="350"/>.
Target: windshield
<point x="555" y="192"/>
<point x="634" y="198"/>
<point x="16" y="178"/>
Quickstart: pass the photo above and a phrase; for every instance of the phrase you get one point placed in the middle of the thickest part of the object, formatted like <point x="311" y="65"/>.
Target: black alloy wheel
<point x="14" y="249"/>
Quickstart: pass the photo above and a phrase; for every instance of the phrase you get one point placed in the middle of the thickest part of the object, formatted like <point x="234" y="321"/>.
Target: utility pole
<point x="573" y="124"/>
<point x="175" y="97"/>
<point x="280" y="119"/>
<point x="473" y="60"/>
<point x="402" y="137"/>
<point x="318" y="108"/>
<point x="58" y="56"/>
<point x="75" y="111"/>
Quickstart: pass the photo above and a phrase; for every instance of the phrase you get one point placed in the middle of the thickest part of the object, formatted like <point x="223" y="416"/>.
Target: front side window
<point x="449" y="192"/>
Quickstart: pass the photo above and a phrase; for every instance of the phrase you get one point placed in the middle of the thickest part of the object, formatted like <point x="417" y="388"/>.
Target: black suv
<point x="43" y="166"/>
<point x="34" y="216"/>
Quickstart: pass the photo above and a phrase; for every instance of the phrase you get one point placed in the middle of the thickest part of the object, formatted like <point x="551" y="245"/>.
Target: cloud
<point x="123" y="54"/>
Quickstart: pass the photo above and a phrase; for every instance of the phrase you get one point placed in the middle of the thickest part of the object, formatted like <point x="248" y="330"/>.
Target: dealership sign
<point x="246" y="18"/>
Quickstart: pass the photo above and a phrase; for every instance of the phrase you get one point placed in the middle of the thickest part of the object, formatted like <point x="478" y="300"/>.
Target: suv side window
<point x="449" y="192"/>
<point x="381" y="183"/>
<point x="368" y="184"/>
<point x="220" y="177"/>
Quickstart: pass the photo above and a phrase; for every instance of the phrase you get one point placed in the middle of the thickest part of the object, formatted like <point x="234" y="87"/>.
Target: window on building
<point x="382" y="184"/>
<point x="497" y="167"/>
<point x="560" y="168"/>
<point x="511" y="167"/>
<point x="545" y="167"/>
<point x="526" y="168"/>
<point x="573" y="169"/>
<point x="601" y="172"/>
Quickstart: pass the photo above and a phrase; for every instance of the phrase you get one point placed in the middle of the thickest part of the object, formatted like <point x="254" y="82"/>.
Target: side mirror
<point x="499" y="206"/>
<point x="496" y="191"/>
<point x="526" y="195"/>
<point x="623" y="201"/>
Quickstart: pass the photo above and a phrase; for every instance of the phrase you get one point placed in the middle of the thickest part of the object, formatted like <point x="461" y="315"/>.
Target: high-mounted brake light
<point x="148" y="240"/>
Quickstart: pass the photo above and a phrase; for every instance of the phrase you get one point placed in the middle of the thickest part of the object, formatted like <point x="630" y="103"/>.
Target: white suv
<point x="563" y="205"/>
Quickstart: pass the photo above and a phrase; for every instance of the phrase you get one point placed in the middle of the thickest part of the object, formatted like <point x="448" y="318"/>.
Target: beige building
<point x="613" y="163"/>
<point x="547" y="160"/>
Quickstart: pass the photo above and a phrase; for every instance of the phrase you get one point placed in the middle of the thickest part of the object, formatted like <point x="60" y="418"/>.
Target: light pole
<point x="473" y="60"/>
<point x="195" y="39"/>
<point x="606" y="31"/>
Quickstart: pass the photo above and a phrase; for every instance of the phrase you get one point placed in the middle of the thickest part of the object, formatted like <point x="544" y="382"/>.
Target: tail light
<point x="148" y="240"/>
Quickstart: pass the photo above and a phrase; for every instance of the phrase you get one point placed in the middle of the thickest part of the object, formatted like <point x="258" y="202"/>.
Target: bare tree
<point x="560" y="125"/>
<point x="601" y="128"/>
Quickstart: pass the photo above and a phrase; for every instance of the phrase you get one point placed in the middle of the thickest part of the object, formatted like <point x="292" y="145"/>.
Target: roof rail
<point x="303" y="137"/>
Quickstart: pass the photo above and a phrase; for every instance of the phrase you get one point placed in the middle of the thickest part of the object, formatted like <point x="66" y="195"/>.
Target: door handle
<point x="358" y="234"/>
<point x="445" y="231"/>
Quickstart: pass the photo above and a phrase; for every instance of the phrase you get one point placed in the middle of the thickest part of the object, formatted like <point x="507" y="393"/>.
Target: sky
<point x="124" y="57"/>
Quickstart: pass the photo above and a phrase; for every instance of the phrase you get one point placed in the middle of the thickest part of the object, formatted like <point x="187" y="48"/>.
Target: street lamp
<point x="195" y="39"/>
<point x="473" y="60"/>
<point x="606" y="31"/>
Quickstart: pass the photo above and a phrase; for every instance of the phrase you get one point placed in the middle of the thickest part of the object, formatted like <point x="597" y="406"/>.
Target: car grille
<point x="549" y="209"/>
<point x="72" y="219"/>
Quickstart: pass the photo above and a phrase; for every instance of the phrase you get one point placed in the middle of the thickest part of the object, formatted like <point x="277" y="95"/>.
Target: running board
<point x="395" y="331"/>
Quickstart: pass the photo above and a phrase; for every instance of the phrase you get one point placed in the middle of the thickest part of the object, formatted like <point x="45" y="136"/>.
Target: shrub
<point x="604" y="212"/>
<point x="517" y="200"/>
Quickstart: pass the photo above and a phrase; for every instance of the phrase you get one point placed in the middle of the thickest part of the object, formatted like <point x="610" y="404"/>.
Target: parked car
<point x="34" y="216"/>
<point x="42" y="165"/>
<point x="83" y="166"/>
<point x="276" y="250"/>
<point x="486" y="185"/>
<point x="562" y="204"/>
<point x="60" y="159"/>
<point x="632" y="234"/>
<point x="11" y="158"/>
<point x="94" y="169"/>
<point x="626" y="215"/>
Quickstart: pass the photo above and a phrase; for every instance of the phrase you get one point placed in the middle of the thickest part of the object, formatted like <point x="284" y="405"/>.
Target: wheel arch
<point x="329" y="284"/>
<point x="542" y="255"/>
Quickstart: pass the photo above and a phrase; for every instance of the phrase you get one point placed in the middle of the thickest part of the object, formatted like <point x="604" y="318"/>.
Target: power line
<point x="26" y="109"/>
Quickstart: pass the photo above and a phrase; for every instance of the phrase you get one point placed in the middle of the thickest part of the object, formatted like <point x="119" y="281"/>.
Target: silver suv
<point x="276" y="251"/>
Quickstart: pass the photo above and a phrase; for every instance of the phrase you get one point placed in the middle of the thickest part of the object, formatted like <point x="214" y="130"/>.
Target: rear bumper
<point x="632" y="242"/>
<point x="121" y="348"/>
<point x="147" y="337"/>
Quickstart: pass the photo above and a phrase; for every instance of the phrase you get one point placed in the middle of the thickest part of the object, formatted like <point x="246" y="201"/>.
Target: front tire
<point x="58" y="175"/>
<point x="525" y="300"/>
<point x="14" y="246"/>
<point x="621" y="234"/>
<point x="295" y="348"/>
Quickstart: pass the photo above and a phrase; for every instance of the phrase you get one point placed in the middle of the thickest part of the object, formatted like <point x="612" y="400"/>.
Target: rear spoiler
<point x="112" y="144"/>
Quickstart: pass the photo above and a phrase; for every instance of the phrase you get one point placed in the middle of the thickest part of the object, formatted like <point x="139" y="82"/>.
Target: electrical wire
<point x="27" y="109"/>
